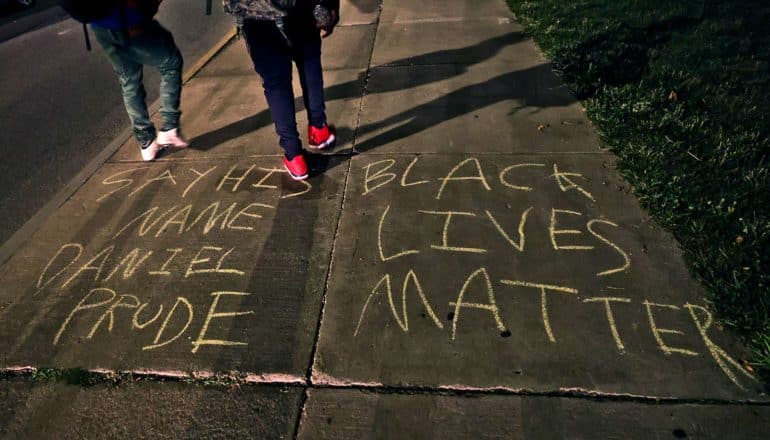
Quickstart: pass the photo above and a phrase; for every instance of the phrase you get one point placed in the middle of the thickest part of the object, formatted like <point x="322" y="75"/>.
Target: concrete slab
<point x="216" y="265"/>
<point x="348" y="48"/>
<point x="461" y="42"/>
<point x="231" y="118"/>
<point x="479" y="108"/>
<point x="146" y="410"/>
<point x="354" y="12"/>
<point x="543" y="275"/>
<point x="350" y="414"/>
<point x="409" y="11"/>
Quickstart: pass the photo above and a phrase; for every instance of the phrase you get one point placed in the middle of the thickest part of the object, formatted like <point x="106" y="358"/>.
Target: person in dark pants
<point x="275" y="39"/>
<point x="131" y="38"/>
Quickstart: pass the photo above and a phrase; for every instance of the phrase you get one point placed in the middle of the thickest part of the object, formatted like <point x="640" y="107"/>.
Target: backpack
<point x="87" y="11"/>
<point x="261" y="9"/>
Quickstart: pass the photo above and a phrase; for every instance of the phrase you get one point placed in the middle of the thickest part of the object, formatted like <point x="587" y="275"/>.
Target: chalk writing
<point x="380" y="177"/>
<point x="163" y="268"/>
<point x="719" y="355"/>
<point x="177" y="229"/>
<point x="235" y="179"/>
<point x="164" y="176"/>
<point x="626" y="259"/>
<point x="444" y="246"/>
<point x="537" y="212"/>
<point x="197" y="179"/>
<point x="490" y="307"/>
<point x="553" y="231"/>
<point x="508" y="169"/>
<point x="403" y="318"/>
<point x="136" y="261"/>
<point x="608" y="300"/>
<point x="404" y="177"/>
<point x="156" y="343"/>
<point x="379" y="241"/>
<point x="200" y="340"/>
<point x="519" y="246"/>
<point x="544" y="289"/>
<point x="124" y="183"/>
<point x="657" y="332"/>
<point x="523" y="218"/>
<point x="225" y="218"/>
<point x="197" y="261"/>
<point x="565" y="184"/>
<point x="451" y="176"/>
<point x="176" y="323"/>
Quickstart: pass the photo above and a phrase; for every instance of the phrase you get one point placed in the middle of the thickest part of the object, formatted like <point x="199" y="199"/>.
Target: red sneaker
<point x="296" y="167"/>
<point x="320" y="138"/>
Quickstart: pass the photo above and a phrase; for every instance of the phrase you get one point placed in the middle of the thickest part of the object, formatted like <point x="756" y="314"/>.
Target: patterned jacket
<point x="257" y="9"/>
<point x="267" y="10"/>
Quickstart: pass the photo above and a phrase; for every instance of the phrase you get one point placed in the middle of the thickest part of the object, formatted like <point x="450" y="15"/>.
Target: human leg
<point x="155" y="46"/>
<point x="307" y="56"/>
<point x="272" y="61"/>
<point x="130" y="76"/>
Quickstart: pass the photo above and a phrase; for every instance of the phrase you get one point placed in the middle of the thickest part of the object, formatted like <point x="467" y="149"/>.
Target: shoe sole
<point x="294" y="176"/>
<point x="325" y="144"/>
<point x="171" y="145"/>
<point x="154" y="156"/>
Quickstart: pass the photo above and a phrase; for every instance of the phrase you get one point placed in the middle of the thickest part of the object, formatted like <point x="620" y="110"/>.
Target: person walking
<point x="278" y="33"/>
<point x="132" y="38"/>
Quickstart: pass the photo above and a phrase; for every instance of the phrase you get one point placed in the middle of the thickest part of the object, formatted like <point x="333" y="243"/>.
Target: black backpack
<point x="87" y="11"/>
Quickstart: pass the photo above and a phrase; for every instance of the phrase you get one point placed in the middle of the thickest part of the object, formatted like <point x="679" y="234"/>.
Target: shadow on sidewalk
<point x="476" y="53"/>
<point x="512" y="86"/>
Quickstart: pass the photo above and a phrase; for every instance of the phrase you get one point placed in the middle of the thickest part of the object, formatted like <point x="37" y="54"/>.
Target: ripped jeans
<point x="153" y="46"/>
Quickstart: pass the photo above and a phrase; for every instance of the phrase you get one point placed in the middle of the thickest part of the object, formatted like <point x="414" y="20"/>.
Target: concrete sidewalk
<point x="466" y="263"/>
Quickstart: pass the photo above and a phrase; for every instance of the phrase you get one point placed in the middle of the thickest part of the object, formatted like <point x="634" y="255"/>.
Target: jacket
<point x="256" y="9"/>
<point x="267" y="10"/>
<point x="136" y="13"/>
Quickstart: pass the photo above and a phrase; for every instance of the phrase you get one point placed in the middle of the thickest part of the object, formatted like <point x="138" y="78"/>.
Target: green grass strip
<point x="680" y="91"/>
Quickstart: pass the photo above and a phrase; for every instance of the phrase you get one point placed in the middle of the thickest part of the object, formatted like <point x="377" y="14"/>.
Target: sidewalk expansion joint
<point x="569" y="393"/>
<point x="352" y="152"/>
<point x="93" y="376"/>
<point x="86" y="378"/>
<point x="499" y="19"/>
<point x="349" y="25"/>
<point x="488" y="153"/>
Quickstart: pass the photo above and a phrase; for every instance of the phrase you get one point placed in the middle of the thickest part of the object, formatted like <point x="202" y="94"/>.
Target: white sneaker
<point x="151" y="151"/>
<point x="172" y="138"/>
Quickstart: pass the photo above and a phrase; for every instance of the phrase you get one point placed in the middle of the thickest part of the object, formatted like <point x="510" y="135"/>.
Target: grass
<point x="680" y="92"/>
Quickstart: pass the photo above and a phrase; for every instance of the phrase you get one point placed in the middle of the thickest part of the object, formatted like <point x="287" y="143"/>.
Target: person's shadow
<point x="470" y="55"/>
<point x="520" y="86"/>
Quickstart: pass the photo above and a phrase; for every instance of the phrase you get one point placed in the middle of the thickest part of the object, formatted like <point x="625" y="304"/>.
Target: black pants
<point x="272" y="57"/>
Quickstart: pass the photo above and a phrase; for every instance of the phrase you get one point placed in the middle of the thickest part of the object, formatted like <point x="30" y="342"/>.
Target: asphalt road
<point x="60" y="105"/>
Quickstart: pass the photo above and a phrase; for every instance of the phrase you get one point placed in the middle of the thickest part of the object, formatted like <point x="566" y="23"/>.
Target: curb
<point x="36" y="222"/>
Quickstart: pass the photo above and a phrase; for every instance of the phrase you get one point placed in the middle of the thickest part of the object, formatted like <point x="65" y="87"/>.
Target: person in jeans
<point x="132" y="38"/>
<point x="274" y="39"/>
